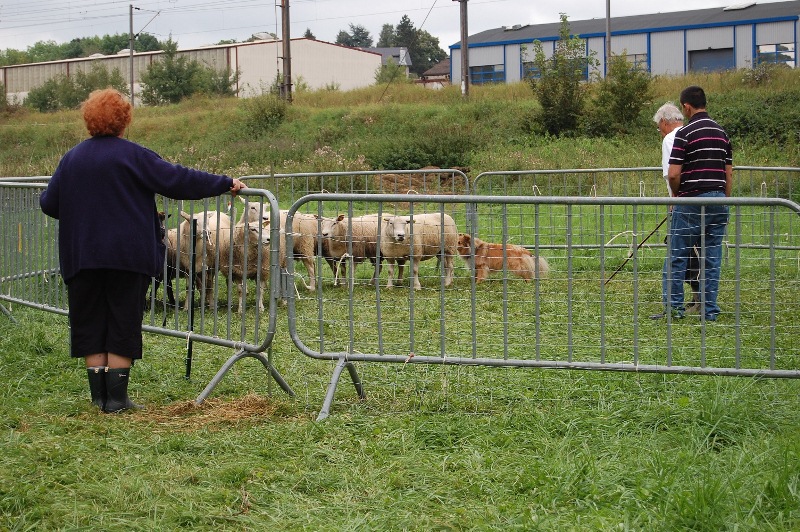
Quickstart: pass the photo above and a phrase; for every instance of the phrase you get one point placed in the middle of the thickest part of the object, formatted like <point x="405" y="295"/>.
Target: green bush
<point x="62" y="92"/>
<point x="758" y="117"/>
<point x="559" y="84"/>
<point x="174" y="78"/>
<point x="261" y="114"/>
<point x="618" y="100"/>
<point x="435" y="144"/>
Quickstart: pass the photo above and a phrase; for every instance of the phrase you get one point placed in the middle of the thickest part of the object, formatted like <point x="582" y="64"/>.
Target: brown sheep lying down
<point x="488" y="258"/>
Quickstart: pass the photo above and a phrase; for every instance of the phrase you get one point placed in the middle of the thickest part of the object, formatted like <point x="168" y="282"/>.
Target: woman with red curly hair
<point x="109" y="239"/>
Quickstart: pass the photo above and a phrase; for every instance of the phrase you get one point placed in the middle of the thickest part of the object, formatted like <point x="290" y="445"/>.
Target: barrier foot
<point x="8" y="313"/>
<point x="337" y="373"/>
<point x="229" y="364"/>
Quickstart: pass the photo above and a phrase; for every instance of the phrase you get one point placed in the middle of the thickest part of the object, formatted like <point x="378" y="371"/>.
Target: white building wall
<point x="320" y="64"/>
<point x="667" y="53"/>
<point x="597" y="46"/>
<point x="744" y="46"/>
<point x="705" y="38"/>
<point x="259" y="67"/>
<point x="455" y="65"/>
<point x="775" y="33"/>
<point x="513" y="63"/>
<point x="486" y="55"/>
<point x="629" y="44"/>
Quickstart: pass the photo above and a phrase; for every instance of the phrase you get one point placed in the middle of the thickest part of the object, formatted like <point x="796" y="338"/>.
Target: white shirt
<point x="666" y="149"/>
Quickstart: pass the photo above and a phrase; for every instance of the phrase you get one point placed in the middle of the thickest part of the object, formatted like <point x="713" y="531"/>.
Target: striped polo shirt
<point x="703" y="149"/>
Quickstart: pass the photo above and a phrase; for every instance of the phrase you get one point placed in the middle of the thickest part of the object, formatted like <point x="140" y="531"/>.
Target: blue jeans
<point x="687" y="227"/>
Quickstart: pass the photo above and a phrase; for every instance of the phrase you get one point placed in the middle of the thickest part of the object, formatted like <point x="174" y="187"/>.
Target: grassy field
<point x="431" y="447"/>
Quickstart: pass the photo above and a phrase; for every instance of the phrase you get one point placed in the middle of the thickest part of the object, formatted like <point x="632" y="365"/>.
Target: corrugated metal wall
<point x="320" y="64"/>
<point x="667" y="54"/>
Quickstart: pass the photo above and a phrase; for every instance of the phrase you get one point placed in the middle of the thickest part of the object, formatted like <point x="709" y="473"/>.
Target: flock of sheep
<point x="240" y="250"/>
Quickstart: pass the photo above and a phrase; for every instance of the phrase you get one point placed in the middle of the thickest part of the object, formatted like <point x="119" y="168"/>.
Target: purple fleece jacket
<point x="103" y="195"/>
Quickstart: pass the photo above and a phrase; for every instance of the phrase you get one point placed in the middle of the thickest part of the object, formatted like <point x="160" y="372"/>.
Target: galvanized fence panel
<point x="572" y="318"/>
<point x="288" y="188"/>
<point x="644" y="182"/>
<point x="29" y="273"/>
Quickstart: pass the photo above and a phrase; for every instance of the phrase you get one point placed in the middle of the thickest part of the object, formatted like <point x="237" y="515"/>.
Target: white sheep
<point x="208" y="223"/>
<point x="245" y="244"/>
<point x="304" y="242"/>
<point x="357" y="236"/>
<point x="418" y="238"/>
<point x="304" y="234"/>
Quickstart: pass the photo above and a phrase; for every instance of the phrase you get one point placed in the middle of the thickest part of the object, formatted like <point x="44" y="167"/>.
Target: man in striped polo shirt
<point x="700" y="165"/>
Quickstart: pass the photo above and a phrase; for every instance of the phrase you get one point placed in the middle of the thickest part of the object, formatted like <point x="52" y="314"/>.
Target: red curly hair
<point x="106" y="112"/>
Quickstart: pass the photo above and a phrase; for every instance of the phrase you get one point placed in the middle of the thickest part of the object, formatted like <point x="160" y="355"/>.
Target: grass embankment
<point x="405" y="126"/>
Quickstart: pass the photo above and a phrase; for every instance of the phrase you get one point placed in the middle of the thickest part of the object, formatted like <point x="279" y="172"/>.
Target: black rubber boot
<point x="117" y="389"/>
<point x="97" y="385"/>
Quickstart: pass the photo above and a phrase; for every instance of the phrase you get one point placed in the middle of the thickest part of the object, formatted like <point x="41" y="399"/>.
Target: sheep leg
<point x="400" y="263"/>
<point x="448" y="270"/>
<point x="390" y="270"/>
<point x="312" y="274"/>
<point x="415" y="270"/>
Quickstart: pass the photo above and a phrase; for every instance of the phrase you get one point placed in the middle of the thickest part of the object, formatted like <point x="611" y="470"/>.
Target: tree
<point x="9" y="57"/>
<point x="174" y="77"/>
<point x="111" y="44"/>
<point x="387" y="37"/>
<point x="427" y="54"/>
<point x="62" y="92"/>
<point x="170" y="79"/>
<point x="406" y="35"/>
<point x="358" y="37"/>
<point x="390" y="72"/>
<point x="309" y="35"/>
<point x="619" y="98"/>
<point x="44" y="51"/>
<point x="557" y="80"/>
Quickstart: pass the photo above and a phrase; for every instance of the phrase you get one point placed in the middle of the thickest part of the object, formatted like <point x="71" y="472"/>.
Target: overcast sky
<point x="199" y="22"/>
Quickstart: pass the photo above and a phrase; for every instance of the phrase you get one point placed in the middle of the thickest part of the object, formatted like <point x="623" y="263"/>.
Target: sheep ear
<point x="186" y="216"/>
<point x="340" y="218"/>
<point x="242" y="199"/>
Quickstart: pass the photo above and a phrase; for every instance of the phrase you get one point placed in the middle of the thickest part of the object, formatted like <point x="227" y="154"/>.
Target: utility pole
<point x="286" y="86"/>
<point x="464" y="51"/>
<point x="130" y="46"/>
<point x="608" y="37"/>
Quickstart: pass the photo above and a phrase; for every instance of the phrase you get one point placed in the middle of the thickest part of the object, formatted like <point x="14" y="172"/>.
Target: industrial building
<point x="317" y="64"/>
<point x="724" y="38"/>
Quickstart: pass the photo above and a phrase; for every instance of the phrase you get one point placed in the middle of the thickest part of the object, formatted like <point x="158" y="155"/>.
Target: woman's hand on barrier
<point x="237" y="186"/>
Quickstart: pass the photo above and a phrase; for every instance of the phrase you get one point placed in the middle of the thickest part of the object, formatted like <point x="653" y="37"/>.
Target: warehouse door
<point x="711" y="60"/>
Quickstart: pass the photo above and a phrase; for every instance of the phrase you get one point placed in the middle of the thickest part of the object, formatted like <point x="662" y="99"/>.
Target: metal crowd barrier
<point x="572" y="319"/>
<point x="29" y="274"/>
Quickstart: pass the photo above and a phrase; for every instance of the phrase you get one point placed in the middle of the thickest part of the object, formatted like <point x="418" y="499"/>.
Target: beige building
<point x="317" y="64"/>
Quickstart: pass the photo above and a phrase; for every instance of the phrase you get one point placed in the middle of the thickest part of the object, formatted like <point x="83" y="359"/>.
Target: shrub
<point x="619" y="98"/>
<point x="436" y="144"/>
<point x="262" y="114"/>
<point x="174" y="77"/>
<point x="62" y="92"/>
<point x="558" y="81"/>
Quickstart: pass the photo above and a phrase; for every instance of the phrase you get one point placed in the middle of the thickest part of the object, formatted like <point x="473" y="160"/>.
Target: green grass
<point x="442" y="448"/>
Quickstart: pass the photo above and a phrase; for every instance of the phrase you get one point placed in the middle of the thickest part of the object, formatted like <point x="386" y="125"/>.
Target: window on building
<point x="776" y="53"/>
<point x="530" y="71"/>
<point x="638" y="62"/>
<point x="487" y="74"/>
